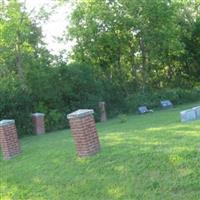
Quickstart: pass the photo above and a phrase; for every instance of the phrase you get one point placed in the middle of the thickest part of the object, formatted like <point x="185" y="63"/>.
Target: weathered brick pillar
<point x="84" y="131"/>
<point x="8" y="139"/>
<point x="102" y="108"/>
<point x="38" y="123"/>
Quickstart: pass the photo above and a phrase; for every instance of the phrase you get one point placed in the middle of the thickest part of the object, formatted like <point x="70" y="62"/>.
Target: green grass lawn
<point x="148" y="157"/>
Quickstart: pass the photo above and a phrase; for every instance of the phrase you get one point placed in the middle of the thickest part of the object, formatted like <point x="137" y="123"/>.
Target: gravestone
<point x="197" y="111"/>
<point x="143" y="109"/>
<point x="188" y="115"/>
<point x="166" y="104"/>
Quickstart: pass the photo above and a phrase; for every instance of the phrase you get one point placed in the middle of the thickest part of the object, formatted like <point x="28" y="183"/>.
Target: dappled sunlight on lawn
<point x="183" y="129"/>
<point x="183" y="172"/>
<point x="121" y="169"/>
<point x="115" y="192"/>
<point x="175" y="159"/>
<point x="4" y="190"/>
<point x="82" y="161"/>
<point x="144" y="158"/>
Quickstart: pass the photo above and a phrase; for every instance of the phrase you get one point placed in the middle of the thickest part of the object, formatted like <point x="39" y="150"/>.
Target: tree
<point x="134" y="42"/>
<point x="20" y="42"/>
<point x="190" y="35"/>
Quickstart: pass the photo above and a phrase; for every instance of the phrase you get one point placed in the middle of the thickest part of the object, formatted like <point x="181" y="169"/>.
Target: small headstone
<point x="143" y="109"/>
<point x="188" y="115"/>
<point x="166" y="104"/>
<point x="197" y="111"/>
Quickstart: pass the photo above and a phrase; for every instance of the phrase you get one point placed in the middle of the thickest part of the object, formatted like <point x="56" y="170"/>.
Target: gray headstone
<point x="166" y="104"/>
<point x="143" y="109"/>
<point x="197" y="111"/>
<point x="188" y="115"/>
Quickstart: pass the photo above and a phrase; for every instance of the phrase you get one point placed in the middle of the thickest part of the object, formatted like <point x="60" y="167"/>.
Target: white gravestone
<point x="197" y="111"/>
<point x="188" y="115"/>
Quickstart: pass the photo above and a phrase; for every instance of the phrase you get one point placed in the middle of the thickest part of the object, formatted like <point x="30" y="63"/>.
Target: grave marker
<point x="188" y="115"/>
<point x="166" y="104"/>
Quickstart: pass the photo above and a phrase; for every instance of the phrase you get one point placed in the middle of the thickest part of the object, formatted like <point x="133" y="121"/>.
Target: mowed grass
<point x="148" y="157"/>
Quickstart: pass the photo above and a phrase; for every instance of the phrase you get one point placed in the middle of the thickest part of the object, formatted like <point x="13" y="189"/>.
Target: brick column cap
<point x="80" y="113"/>
<point x="38" y="114"/>
<point x="6" y="122"/>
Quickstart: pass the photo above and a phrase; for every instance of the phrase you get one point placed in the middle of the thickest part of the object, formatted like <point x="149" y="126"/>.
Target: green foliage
<point x="192" y="53"/>
<point x="127" y="54"/>
<point x="55" y="120"/>
<point x="72" y="87"/>
<point x="133" y="42"/>
<point x="16" y="104"/>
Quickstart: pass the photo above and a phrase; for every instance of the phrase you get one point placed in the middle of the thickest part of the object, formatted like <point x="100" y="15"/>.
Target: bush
<point x="61" y="90"/>
<point x="16" y="104"/>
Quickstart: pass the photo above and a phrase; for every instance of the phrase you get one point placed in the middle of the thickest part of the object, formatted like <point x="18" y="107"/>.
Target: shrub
<point x="16" y="104"/>
<point x="66" y="88"/>
<point x="61" y="90"/>
<point x="122" y="118"/>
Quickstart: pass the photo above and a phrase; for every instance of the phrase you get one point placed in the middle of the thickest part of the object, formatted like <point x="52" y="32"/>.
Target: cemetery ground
<point x="147" y="157"/>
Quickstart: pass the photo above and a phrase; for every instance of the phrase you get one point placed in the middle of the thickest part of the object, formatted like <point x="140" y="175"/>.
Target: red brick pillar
<point x="9" y="139"/>
<point x="38" y="123"/>
<point x="102" y="107"/>
<point x="84" y="131"/>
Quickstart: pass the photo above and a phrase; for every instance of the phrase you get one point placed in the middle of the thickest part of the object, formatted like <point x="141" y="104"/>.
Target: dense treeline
<point x="129" y="53"/>
<point x="147" y="43"/>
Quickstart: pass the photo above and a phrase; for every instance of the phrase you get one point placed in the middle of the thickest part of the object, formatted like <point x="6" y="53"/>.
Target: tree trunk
<point x="144" y="64"/>
<point x="19" y="62"/>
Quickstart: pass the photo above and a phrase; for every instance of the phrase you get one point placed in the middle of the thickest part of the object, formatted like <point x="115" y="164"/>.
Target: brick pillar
<point x="38" y="123"/>
<point x="84" y="132"/>
<point x="9" y="139"/>
<point x="102" y="111"/>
